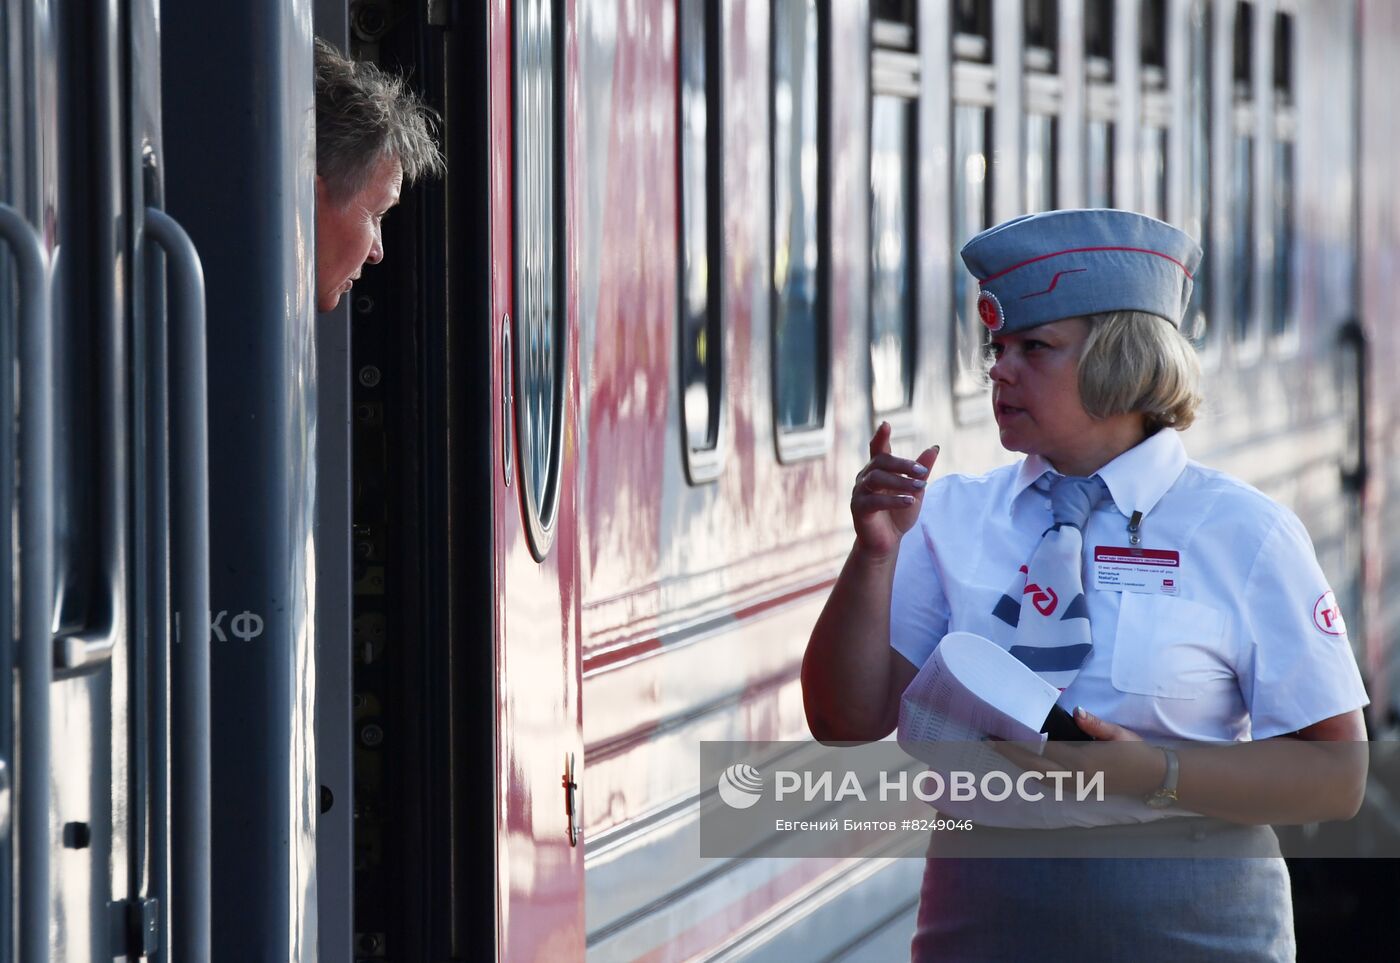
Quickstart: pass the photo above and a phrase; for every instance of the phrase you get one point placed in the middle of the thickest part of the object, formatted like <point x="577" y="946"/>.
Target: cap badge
<point x="989" y="310"/>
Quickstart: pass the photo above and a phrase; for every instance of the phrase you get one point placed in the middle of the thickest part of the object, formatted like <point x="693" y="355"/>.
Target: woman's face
<point x="1035" y="394"/>
<point x="347" y="235"/>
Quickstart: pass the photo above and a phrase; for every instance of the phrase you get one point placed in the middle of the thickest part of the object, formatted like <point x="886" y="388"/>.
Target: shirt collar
<point x="1137" y="479"/>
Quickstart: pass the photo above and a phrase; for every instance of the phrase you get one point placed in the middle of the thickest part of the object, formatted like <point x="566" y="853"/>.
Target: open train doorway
<point x="420" y="733"/>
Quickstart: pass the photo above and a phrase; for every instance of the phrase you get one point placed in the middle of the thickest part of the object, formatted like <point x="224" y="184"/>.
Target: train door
<point x="533" y="322"/>
<point x="111" y="547"/>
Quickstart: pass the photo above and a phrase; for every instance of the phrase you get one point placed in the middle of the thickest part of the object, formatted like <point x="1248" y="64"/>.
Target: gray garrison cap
<point x="1064" y="264"/>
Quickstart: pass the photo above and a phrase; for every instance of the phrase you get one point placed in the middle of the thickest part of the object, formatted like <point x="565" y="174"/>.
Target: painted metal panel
<point x="539" y="871"/>
<point x="249" y="130"/>
<point x="335" y="847"/>
<point x="1378" y="237"/>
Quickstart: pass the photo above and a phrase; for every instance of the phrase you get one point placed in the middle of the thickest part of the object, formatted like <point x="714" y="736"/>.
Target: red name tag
<point x="1138" y="556"/>
<point x="1153" y="570"/>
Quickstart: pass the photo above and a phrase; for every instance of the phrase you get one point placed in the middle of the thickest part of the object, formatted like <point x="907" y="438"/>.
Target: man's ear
<point x="320" y="190"/>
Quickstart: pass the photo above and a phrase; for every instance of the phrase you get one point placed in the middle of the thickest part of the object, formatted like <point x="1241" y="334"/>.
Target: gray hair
<point x="364" y="115"/>
<point x="1137" y="362"/>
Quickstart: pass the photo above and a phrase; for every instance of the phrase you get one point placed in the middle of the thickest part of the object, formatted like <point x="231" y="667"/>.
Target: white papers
<point x="971" y="688"/>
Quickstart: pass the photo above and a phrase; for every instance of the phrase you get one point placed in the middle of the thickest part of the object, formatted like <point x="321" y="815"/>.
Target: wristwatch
<point x="1166" y="796"/>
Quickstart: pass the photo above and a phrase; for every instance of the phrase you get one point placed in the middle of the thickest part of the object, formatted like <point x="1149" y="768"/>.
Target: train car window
<point x="1042" y="34"/>
<point x="1241" y="248"/>
<point x="1098" y="32"/>
<point x="1198" y="121"/>
<point x="974" y="95"/>
<point x="1101" y="103"/>
<point x="539" y="316"/>
<point x="1284" y="313"/>
<point x="972" y="30"/>
<point x="1156" y="110"/>
<point x="1244" y="43"/>
<point x="894" y="85"/>
<point x="1153" y="170"/>
<point x="1041" y="130"/>
<point x="1041" y="124"/>
<point x="1153" y="34"/>
<point x="799" y="323"/>
<point x="701" y="338"/>
<point x="1099" y="169"/>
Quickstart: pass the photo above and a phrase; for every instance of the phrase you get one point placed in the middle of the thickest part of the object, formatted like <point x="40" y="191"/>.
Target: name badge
<point x="1152" y="571"/>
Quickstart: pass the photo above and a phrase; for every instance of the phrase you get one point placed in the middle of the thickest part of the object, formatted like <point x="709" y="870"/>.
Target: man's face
<point x="347" y="234"/>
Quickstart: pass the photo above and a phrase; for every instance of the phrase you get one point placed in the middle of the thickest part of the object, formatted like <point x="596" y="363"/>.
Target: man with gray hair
<point x="372" y="132"/>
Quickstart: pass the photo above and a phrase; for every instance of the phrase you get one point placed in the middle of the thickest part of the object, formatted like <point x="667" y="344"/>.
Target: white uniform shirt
<point x="1251" y="644"/>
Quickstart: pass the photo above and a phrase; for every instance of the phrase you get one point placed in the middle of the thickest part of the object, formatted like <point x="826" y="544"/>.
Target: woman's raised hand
<point x="888" y="493"/>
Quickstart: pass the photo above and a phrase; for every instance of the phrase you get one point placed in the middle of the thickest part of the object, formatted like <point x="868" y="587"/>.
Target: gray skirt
<point x="1083" y="909"/>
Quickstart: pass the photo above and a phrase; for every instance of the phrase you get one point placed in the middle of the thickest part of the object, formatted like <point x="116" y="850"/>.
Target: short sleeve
<point x="1297" y="665"/>
<point x="919" y="610"/>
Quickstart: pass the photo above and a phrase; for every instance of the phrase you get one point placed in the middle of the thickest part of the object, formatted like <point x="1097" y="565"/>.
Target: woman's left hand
<point x="1130" y="766"/>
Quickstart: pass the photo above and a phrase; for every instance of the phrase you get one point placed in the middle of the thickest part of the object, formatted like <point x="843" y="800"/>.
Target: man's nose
<point x="376" y="252"/>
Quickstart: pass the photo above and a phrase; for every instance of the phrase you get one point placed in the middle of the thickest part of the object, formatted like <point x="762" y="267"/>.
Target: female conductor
<point x="1230" y="640"/>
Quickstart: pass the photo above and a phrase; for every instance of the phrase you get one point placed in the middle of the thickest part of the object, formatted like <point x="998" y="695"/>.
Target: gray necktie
<point x="1051" y="616"/>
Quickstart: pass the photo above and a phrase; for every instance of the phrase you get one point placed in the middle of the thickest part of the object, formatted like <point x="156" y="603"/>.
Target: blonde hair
<point x="1138" y="362"/>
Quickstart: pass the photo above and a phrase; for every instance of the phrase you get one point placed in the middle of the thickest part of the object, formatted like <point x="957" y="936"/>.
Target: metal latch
<point x="571" y="811"/>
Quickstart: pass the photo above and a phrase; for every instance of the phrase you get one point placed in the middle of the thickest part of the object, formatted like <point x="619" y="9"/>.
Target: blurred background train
<point x="559" y="493"/>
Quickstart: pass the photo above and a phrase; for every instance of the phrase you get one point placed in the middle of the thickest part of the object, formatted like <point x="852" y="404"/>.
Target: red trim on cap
<point x="1087" y="250"/>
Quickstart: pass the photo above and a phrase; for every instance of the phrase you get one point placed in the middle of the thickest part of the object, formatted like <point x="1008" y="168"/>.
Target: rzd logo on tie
<point x="1044" y="599"/>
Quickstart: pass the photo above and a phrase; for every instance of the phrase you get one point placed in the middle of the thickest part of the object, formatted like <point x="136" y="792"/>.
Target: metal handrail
<point x="36" y="539"/>
<point x="190" y="887"/>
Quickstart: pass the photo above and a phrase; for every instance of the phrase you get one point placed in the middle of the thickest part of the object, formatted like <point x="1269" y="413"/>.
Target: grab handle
<point x="36" y="560"/>
<point x="190" y="890"/>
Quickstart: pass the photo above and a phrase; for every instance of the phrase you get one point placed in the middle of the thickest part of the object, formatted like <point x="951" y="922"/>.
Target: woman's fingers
<point x="876" y="480"/>
<point x="904" y="466"/>
<point x="880" y="442"/>
<point x="865" y="502"/>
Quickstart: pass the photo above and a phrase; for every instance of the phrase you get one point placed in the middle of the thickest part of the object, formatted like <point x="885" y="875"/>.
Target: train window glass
<point x="1153" y="171"/>
<point x="1042" y="99"/>
<point x="1153" y="34"/>
<point x="1098" y="38"/>
<point x="1284" y="311"/>
<point x="892" y="315"/>
<point x="1042" y="19"/>
<point x="1156" y="109"/>
<point x="1244" y="45"/>
<point x="799" y="329"/>
<point x="893" y="22"/>
<point x="1101" y="103"/>
<point x="1242" y="199"/>
<point x="972" y="30"/>
<point x="974" y="97"/>
<point x="1099" y="168"/>
<point x="1283" y="54"/>
<point x="539" y="336"/>
<point x="1040" y="162"/>
<point x="701" y="338"/>
<point x="971" y="202"/>
<point x="893" y="165"/>
<point x="1198" y="159"/>
<point x="1242" y="235"/>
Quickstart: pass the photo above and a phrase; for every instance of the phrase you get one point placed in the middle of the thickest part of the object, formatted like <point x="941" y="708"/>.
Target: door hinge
<point x="134" y="926"/>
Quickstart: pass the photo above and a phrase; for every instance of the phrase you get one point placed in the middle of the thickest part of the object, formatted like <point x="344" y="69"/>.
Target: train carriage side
<point x="710" y="534"/>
